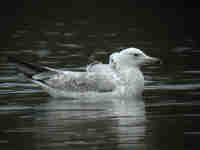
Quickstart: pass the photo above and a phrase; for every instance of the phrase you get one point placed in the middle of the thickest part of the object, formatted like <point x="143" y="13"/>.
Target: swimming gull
<point x="122" y="77"/>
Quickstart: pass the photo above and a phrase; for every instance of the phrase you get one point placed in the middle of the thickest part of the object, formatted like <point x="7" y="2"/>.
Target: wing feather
<point x="82" y="81"/>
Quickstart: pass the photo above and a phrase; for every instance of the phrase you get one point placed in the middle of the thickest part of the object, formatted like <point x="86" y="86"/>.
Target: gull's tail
<point x="28" y="69"/>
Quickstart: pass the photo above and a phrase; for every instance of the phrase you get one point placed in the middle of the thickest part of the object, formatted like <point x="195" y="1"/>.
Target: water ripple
<point x="70" y="45"/>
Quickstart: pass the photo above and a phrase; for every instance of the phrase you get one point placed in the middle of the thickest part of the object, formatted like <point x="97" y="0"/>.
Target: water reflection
<point x="73" y="124"/>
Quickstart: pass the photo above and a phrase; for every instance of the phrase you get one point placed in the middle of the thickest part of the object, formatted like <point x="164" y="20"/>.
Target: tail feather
<point x="28" y="69"/>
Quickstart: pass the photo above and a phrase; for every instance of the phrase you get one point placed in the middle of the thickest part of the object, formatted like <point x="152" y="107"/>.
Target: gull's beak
<point x="150" y="60"/>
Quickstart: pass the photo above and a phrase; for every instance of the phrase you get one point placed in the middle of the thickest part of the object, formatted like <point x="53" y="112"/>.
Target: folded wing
<point x="78" y="81"/>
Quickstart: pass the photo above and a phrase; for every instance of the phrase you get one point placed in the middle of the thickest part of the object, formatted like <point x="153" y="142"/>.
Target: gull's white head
<point x="131" y="57"/>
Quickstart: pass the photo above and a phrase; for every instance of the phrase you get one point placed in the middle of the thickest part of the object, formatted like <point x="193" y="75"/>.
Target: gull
<point x="122" y="77"/>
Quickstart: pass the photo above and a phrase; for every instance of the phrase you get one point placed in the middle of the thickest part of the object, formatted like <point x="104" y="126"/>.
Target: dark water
<point x="30" y="119"/>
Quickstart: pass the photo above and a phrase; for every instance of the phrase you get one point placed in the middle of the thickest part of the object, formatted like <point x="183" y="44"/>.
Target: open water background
<point x="72" y="36"/>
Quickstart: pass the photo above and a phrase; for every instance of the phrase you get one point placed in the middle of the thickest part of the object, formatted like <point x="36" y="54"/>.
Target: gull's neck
<point x="133" y="79"/>
<point x="131" y="73"/>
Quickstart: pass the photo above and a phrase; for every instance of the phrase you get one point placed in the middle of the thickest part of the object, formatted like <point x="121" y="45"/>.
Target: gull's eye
<point x="136" y="54"/>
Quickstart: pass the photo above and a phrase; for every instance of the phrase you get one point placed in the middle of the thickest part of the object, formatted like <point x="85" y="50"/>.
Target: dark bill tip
<point x="158" y="61"/>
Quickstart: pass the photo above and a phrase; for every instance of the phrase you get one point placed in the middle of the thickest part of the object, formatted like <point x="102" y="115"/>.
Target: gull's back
<point x="106" y="68"/>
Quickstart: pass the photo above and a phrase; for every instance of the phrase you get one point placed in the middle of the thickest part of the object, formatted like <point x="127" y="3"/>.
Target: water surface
<point x="30" y="119"/>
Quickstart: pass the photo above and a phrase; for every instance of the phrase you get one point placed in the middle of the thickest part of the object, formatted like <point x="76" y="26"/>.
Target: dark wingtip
<point x="27" y="69"/>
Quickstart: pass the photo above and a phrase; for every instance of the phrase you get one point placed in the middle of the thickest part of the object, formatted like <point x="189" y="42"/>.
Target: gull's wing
<point x="69" y="81"/>
<point x="78" y="81"/>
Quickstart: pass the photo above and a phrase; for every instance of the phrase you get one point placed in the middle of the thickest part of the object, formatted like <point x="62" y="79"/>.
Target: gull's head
<point x="133" y="57"/>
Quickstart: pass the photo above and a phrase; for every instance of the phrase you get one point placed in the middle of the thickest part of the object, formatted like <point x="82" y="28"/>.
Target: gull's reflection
<point x="91" y="123"/>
